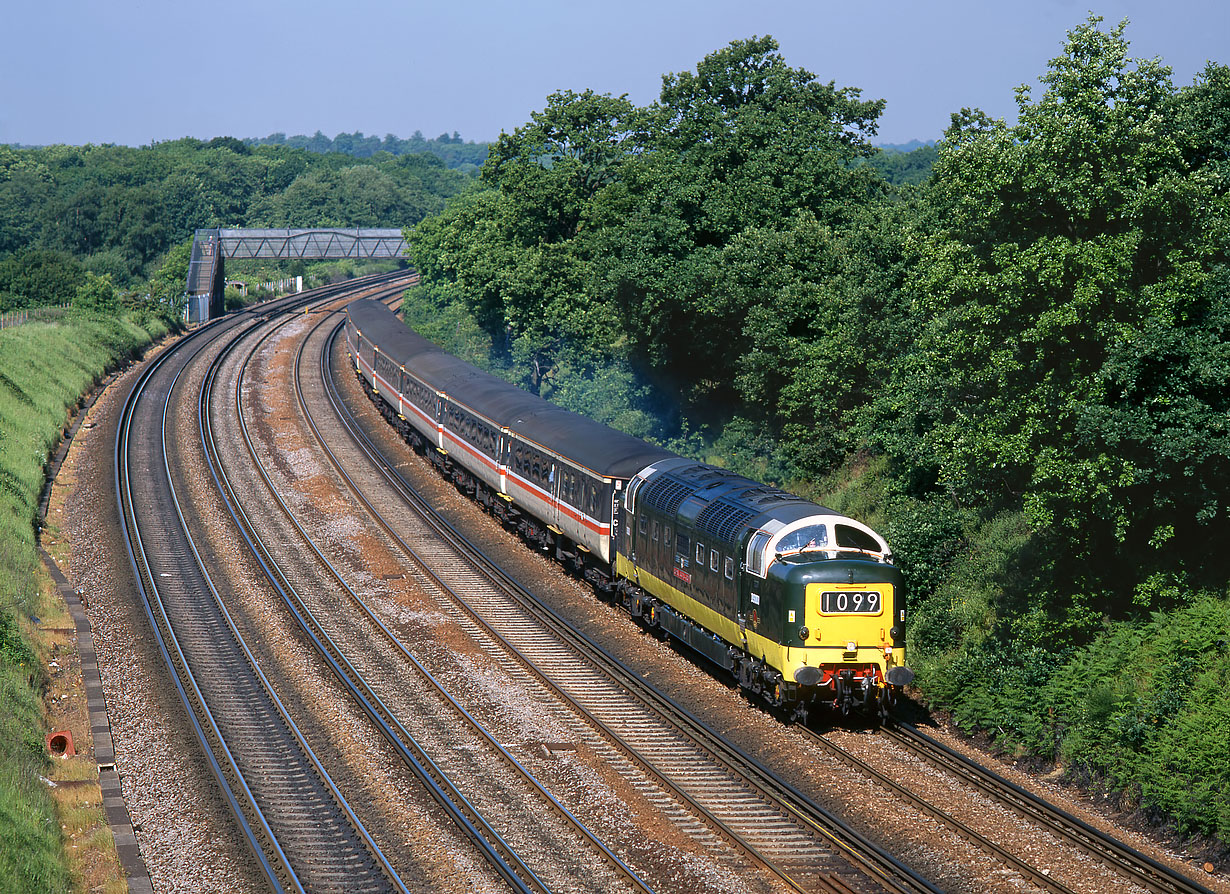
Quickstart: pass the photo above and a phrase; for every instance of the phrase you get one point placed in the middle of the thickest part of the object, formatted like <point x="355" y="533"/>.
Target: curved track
<point x="301" y="830"/>
<point x="1134" y="869"/>
<point x="299" y="825"/>
<point x="375" y="683"/>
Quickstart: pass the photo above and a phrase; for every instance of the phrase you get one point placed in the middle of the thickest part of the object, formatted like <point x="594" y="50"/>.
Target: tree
<point x="37" y="278"/>
<point x="96" y="293"/>
<point x="167" y="285"/>
<point x="744" y="143"/>
<point x="1070" y="297"/>
<point x="623" y="234"/>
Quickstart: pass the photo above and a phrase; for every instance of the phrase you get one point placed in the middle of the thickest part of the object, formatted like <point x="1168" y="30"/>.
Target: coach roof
<point x="585" y="442"/>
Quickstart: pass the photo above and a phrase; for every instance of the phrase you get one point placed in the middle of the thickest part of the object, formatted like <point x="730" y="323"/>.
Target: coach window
<point x="700" y="554"/>
<point x="666" y="536"/>
<point x="657" y="531"/>
<point x="713" y="560"/>
<point x="683" y="543"/>
<point x="641" y="524"/>
<point x="755" y="553"/>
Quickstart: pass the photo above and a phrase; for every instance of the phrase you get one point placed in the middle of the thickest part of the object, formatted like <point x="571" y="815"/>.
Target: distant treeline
<point x="905" y="165"/>
<point x="452" y="150"/>
<point x="118" y="212"/>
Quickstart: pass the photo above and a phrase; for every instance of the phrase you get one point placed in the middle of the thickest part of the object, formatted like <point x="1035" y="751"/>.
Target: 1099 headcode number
<point x="862" y="602"/>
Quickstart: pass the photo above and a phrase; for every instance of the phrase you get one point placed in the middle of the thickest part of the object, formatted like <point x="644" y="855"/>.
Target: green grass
<point x="44" y="368"/>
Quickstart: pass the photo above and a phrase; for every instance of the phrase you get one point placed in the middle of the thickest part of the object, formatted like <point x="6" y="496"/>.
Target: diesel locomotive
<point x="802" y="605"/>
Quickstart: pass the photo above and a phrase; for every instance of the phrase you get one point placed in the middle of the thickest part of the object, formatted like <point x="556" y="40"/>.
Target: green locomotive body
<point x="800" y="603"/>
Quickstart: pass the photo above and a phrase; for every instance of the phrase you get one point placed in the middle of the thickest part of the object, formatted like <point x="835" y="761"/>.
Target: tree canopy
<point x="1071" y="310"/>
<point x="608" y="228"/>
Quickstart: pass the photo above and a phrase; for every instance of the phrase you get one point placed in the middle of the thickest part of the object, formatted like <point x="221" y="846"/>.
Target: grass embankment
<point x="44" y="369"/>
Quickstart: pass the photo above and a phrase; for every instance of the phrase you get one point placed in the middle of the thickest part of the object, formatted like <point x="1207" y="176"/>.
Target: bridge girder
<point x="210" y="248"/>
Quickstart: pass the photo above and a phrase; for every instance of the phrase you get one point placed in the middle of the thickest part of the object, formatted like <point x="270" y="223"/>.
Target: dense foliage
<point x="125" y="213"/>
<point x="905" y="168"/>
<point x="451" y="149"/>
<point x="1010" y="351"/>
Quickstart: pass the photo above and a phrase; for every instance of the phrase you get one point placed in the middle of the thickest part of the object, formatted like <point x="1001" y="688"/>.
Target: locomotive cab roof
<point x="737" y="510"/>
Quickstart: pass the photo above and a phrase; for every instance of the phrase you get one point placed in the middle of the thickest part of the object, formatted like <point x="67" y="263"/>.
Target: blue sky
<point x="136" y="71"/>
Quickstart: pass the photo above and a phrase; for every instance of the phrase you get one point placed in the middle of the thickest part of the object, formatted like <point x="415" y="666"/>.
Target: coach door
<point x="553" y="484"/>
<point x="504" y="458"/>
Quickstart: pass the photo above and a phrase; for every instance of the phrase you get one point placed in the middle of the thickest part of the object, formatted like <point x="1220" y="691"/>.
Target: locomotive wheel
<point x="886" y="704"/>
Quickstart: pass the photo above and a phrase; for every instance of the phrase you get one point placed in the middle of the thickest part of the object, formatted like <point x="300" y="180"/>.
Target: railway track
<point x="1135" y="866"/>
<point x="734" y="809"/>
<point x="302" y="831"/>
<point x="720" y="797"/>
<point x="378" y="681"/>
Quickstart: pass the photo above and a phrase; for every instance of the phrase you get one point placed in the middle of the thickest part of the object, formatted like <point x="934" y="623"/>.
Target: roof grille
<point x="667" y="493"/>
<point x="765" y="495"/>
<point x="722" y="519"/>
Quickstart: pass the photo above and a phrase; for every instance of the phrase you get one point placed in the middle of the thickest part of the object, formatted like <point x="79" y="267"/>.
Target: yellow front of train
<point x="830" y="618"/>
